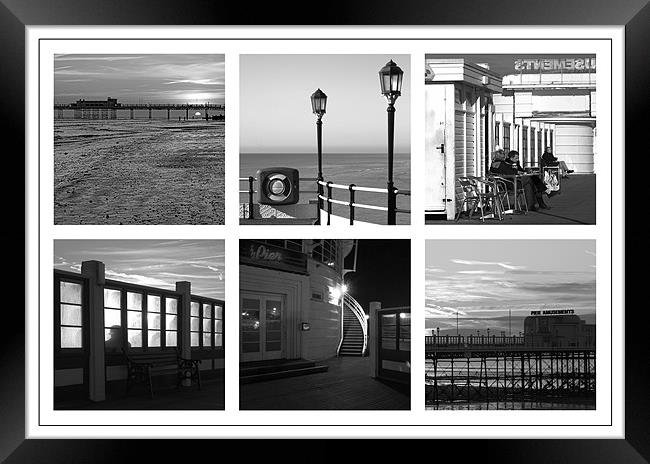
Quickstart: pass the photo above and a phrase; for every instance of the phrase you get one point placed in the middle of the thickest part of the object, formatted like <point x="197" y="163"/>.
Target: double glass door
<point x="260" y="336"/>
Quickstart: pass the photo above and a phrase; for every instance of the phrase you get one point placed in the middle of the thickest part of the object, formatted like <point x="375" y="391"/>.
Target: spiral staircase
<point x="354" y="340"/>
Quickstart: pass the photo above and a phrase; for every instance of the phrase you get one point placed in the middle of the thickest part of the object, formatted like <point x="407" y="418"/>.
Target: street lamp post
<point x="390" y="78"/>
<point x="318" y="104"/>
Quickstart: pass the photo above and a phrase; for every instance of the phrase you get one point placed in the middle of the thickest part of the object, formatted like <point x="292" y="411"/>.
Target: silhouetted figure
<point x="114" y="343"/>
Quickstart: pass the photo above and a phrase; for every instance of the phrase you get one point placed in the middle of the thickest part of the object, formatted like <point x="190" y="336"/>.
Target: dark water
<point x="580" y="403"/>
<point x="364" y="170"/>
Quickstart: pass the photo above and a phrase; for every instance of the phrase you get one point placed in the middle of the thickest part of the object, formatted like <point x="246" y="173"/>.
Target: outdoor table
<point x="517" y="208"/>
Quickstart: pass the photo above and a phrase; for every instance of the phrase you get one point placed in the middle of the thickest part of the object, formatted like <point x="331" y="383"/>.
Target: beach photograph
<point x="139" y="324"/>
<point x="510" y="324"/>
<point x="337" y="119"/>
<point x="139" y="139"/>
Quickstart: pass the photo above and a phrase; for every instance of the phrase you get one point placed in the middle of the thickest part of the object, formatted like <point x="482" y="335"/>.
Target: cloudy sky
<point x="156" y="263"/>
<point x="275" y="106"/>
<point x="140" y="78"/>
<point x="482" y="280"/>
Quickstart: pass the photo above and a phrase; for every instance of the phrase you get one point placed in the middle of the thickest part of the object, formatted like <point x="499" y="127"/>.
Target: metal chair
<point x="518" y="195"/>
<point x="478" y="193"/>
<point x="492" y="192"/>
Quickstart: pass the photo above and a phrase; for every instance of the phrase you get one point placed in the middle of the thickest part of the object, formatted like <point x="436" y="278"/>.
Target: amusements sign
<point x="555" y="65"/>
<point x="261" y="254"/>
<point x="552" y="312"/>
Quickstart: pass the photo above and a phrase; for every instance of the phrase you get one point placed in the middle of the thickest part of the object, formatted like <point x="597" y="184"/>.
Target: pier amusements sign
<point x="552" y="312"/>
<point x="555" y="65"/>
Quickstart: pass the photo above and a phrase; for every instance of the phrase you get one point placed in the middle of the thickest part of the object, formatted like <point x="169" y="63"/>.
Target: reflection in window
<point x="113" y="320"/>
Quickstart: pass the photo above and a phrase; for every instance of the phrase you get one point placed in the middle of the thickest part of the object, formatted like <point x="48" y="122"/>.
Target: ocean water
<point x="364" y="170"/>
<point x="139" y="172"/>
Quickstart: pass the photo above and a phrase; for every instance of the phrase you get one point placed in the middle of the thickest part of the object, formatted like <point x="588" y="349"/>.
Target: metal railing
<point x="461" y="341"/>
<point x="247" y="209"/>
<point x="353" y="305"/>
<point x="352" y="204"/>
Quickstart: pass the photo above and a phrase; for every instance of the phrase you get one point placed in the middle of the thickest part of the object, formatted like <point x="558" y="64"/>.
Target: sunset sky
<point x="482" y="280"/>
<point x="155" y="263"/>
<point x="177" y="78"/>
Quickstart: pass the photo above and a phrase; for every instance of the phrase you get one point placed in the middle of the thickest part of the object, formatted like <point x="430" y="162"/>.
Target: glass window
<point x="218" y="326"/>
<point x="195" y="323"/>
<point x="113" y="334"/>
<point x="389" y="331"/>
<point x="325" y="252"/>
<point x="71" y="315"/>
<point x="70" y="293"/>
<point x="405" y="331"/>
<point x="171" y="322"/>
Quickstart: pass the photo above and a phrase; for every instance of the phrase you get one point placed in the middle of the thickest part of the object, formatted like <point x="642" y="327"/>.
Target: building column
<point x="184" y="307"/>
<point x="94" y="272"/>
<point x="373" y="337"/>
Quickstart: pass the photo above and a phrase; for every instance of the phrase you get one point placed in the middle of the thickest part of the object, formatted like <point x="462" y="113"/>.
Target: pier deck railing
<point x="460" y="345"/>
<point x="247" y="209"/>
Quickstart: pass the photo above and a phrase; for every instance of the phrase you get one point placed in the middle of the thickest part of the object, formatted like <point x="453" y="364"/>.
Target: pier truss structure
<point x="494" y="372"/>
<point x="111" y="111"/>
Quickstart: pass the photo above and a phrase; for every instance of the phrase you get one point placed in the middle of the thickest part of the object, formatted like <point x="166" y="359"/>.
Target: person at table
<point x="533" y="186"/>
<point x="548" y="159"/>
<point x="498" y="157"/>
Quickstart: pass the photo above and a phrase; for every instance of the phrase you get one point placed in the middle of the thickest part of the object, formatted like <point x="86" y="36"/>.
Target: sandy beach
<point x="139" y="172"/>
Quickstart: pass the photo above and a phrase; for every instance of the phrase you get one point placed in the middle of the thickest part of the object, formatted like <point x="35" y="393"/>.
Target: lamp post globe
<point x="390" y="80"/>
<point x="318" y="106"/>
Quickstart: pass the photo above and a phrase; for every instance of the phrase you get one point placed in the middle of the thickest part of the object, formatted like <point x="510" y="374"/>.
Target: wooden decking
<point x="576" y="204"/>
<point x="347" y="385"/>
<point x="210" y="397"/>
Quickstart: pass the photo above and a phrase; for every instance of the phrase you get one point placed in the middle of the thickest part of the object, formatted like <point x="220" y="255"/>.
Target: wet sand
<point x="139" y="172"/>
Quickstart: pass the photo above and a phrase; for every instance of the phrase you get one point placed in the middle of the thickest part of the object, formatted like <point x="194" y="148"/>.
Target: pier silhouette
<point x="109" y="108"/>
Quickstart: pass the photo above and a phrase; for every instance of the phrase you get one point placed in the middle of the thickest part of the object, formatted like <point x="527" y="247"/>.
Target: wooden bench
<point x="142" y="366"/>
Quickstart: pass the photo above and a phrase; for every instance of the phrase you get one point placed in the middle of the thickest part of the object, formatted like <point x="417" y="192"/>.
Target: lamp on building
<point x="318" y="105"/>
<point x="390" y="79"/>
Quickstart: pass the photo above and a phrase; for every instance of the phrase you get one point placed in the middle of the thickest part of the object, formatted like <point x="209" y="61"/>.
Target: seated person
<point x="497" y="158"/>
<point x="549" y="160"/>
<point x="533" y="186"/>
<point x="114" y="343"/>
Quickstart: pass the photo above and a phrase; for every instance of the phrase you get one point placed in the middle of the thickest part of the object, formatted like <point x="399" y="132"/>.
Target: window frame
<point x="212" y="348"/>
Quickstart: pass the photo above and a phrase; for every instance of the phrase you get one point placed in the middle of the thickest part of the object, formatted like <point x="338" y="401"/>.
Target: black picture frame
<point x="16" y="14"/>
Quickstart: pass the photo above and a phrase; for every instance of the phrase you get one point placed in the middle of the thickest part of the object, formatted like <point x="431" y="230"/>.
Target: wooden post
<point x="185" y="349"/>
<point x="94" y="272"/>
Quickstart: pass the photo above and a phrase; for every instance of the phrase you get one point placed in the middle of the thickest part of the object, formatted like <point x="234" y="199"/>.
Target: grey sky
<point x="503" y="64"/>
<point x="178" y="78"/>
<point x="156" y="263"/>
<point x="275" y="108"/>
<point x="482" y="280"/>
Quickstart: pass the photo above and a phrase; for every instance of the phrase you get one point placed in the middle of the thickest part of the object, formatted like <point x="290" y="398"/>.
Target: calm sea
<point x="364" y="170"/>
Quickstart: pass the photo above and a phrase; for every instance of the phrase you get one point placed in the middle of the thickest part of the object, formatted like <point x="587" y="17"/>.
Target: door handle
<point x="441" y="147"/>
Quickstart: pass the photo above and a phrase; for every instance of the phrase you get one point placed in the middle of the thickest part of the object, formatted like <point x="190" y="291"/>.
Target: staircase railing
<point x="353" y="305"/>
